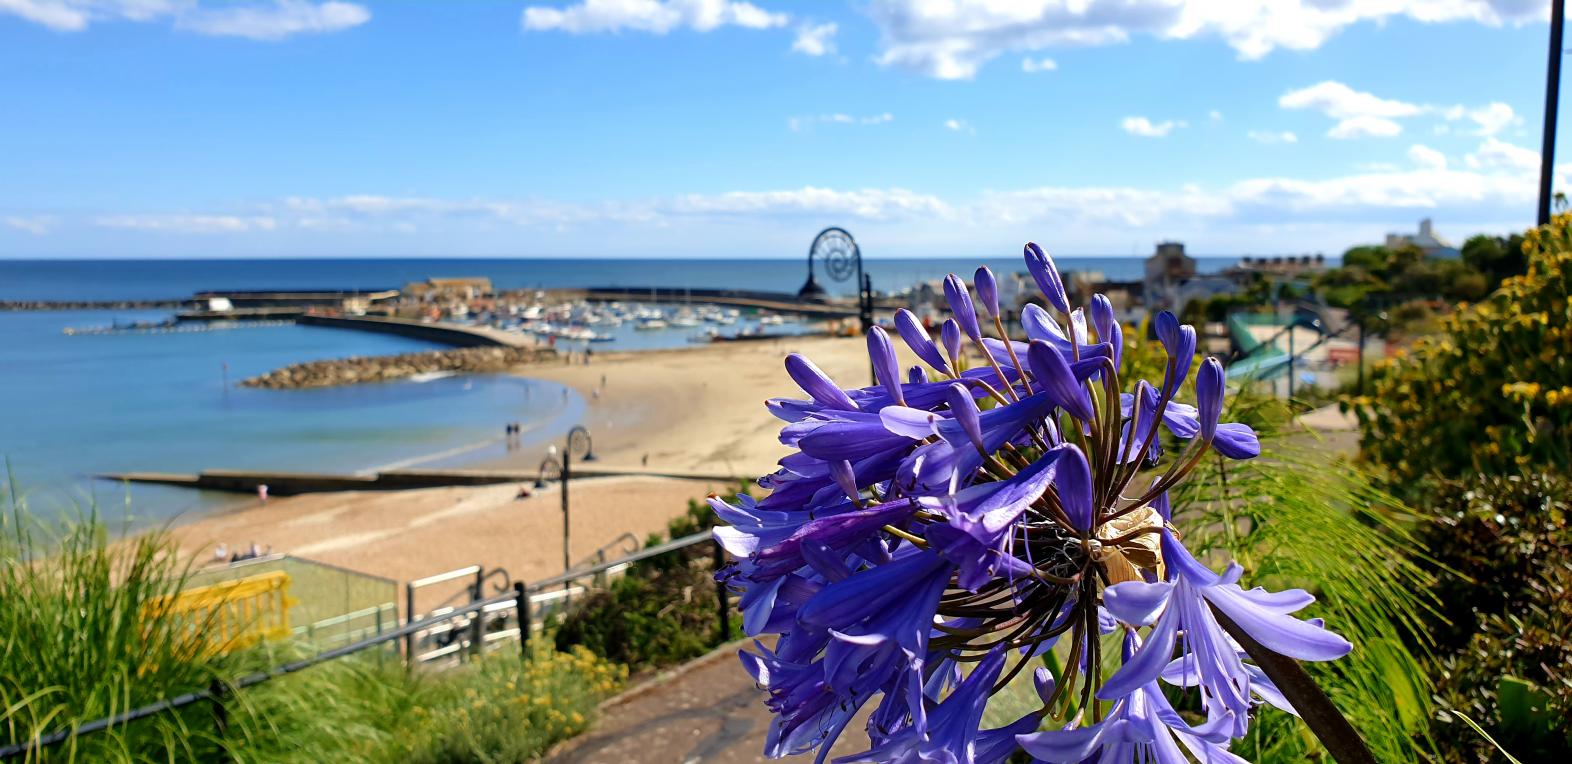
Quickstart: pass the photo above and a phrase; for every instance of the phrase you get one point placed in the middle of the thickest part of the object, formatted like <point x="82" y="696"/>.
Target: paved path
<point x="707" y="711"/>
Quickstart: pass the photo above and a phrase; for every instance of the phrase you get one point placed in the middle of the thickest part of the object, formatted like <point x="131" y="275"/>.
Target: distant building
<point x="1171" y="281"/>
<point x="443" y="289"/>
<point x="1290" y="266"/>
<point x="1426" y="240"/>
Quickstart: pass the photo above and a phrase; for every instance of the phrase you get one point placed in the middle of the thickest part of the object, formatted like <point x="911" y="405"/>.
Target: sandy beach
<point x="697" y="409"/>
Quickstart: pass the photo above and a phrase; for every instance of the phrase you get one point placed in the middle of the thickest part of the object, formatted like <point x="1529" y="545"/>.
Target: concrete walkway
<point x="708" y="710"/>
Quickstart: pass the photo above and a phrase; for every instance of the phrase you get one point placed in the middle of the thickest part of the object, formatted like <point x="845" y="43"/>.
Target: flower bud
<point x="916" y="375"/>
<point x="964" y="409"/>
<point x="950" y="335"/>
<point x="987" y="290"/>
<point x="841" y="470"/>
<point x="1209" y="396"/>
<point x="885" y="367"/>
<point x="1047" y="277"/>
<point x="961" y="305"/>
<point x="916" y="337"/>
<point x="1055" y="378"/>
<point x="817" y="384"/>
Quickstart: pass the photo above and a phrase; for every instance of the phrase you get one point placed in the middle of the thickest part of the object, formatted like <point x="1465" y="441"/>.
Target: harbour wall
<point x="456" y="335"/>
<point x="293" y="483"/>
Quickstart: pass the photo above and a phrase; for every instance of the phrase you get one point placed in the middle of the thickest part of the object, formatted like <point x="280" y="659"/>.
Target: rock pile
<point x="354" y="370"/>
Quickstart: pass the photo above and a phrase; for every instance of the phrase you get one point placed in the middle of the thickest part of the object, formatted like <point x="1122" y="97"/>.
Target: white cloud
<point x="260" y="20"/>
<point x="1269" y="136"/>
<point x="187" y="223"/>
<point x="1035" y="65"/>
<point x="1148" y="129"/>
<point x="959" y="126"/>
<point x="815" y="40"/>
<point x="1489" y="119"/>
<point x="1499" y="155"/>
<point x="838" y="118"/>
<point x="952" y="39"/>
<point x="1361" y="127"/>
<point x="1215" y="115"/>
<point x="1427" y="157"/>
<point x="1339" y="101"/>
<point x="652" y="16"/>
<point x="274" y="22"/>
<point x="1358" y="113"/>
<point x="37" y="225"/>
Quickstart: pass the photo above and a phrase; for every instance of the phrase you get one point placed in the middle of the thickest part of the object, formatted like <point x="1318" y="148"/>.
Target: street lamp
<point x="561" y="462"/>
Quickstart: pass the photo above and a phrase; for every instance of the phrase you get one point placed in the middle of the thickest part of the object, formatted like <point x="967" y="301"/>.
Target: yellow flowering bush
<point x="1490" y="393"/>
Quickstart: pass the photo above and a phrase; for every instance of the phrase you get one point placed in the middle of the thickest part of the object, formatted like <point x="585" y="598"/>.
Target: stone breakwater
<point x="21" y="305"/>
<point x="382" y="368"/>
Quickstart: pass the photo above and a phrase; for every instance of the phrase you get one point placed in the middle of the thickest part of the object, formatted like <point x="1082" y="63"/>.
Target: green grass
<point x="82" y="637"/>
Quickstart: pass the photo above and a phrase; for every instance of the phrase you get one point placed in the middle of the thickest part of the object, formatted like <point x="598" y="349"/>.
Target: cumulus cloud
<point x="651" y="16"/>
<point x="273" y="20"/>
<point x="1035" y="65"/>
<point x="838" y="118"/>
<point x="815" y="39"/>
<point x="1358" y="113"/>
<point x="953" y="39"/>
<point x="1489" y="119"/>
<point x="1365" y="127"/>
<point x="1427" y="157"/>
<point x="958" y="125"/>
<point x="1270" y="136"/>
<point x="1148" y="129"/>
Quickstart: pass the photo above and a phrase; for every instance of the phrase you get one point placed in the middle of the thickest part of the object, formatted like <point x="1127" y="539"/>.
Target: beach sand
<point x="697" y="409"/>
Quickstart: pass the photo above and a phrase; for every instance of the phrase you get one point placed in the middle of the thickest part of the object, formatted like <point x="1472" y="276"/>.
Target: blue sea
<point x="72" y="406"/>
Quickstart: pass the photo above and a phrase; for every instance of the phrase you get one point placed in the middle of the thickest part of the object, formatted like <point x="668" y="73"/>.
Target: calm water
<point x="76" y="405"/>
<point x="174" y="279"/>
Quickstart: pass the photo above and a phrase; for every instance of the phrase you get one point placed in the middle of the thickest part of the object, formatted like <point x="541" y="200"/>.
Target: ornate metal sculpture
<point x="838" y="251"/>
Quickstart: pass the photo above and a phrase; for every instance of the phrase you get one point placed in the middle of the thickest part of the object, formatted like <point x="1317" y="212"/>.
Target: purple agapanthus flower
<point x="937" y="533"/>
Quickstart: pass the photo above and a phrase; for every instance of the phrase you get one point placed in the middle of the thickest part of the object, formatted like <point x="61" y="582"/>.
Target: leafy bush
<point x="661" y="612"/>
<point x="1493" y="392"/>
<point x="1509" y="609"/>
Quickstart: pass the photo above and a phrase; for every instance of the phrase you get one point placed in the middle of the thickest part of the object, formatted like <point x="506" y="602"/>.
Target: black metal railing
<point x="518" y="598"/>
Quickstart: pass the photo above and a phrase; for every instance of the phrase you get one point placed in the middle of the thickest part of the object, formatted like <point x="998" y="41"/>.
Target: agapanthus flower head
<point x="932" y="538"/>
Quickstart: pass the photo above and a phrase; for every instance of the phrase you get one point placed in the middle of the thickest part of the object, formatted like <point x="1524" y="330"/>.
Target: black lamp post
<point x="562" y="463"/>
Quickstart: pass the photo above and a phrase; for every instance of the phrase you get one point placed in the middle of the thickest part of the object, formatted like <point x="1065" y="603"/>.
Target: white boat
<point x="650" y="324"/>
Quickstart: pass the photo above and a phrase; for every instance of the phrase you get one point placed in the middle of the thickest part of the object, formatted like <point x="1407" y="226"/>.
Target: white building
<point x="1426" y="240"/>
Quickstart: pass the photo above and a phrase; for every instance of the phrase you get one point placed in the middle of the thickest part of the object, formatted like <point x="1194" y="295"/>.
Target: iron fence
<point x="469" y="619"/>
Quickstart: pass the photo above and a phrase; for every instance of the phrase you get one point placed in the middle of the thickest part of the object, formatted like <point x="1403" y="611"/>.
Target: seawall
<point x="457" y="335"/>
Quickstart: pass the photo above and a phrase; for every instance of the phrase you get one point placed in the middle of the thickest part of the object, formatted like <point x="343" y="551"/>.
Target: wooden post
<point x="477" y="619"/>
<point x="409" y="618"/>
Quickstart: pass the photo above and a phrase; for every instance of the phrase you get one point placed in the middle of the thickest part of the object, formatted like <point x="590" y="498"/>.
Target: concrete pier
<point x="457" y="335"/>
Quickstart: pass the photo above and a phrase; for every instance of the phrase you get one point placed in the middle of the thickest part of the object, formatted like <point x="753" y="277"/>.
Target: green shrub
<point x="662" y="611"/>
<point x="1493" y="392"/>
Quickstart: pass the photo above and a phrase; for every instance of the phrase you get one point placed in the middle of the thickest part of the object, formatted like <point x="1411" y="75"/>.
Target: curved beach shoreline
<point x="687" y="410"/>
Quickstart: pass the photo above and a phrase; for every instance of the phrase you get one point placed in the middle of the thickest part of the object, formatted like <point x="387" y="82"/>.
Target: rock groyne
<point x="382" y="368"/>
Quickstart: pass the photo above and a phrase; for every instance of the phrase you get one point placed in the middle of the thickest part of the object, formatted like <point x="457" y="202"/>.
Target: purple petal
<point x="964" y="408"/>
<point x="1236" y="441"/>
<point x="1136" y="603"/>
<point x="1277" y="632"/>
<point x="909" y="422"/>
<point x="950" y="335"/>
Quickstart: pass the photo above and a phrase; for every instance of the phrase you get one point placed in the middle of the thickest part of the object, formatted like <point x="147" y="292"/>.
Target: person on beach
<point x="262" y="493"/>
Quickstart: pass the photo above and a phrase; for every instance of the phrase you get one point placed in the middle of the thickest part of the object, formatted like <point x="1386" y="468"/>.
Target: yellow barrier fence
<point x="230" y="615"/>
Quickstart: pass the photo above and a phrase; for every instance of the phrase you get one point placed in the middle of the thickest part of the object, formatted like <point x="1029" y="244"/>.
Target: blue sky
<point x="183" y="128"/>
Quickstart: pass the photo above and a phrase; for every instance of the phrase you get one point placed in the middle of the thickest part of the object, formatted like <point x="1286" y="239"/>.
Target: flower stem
<point x="1328" y="724"/>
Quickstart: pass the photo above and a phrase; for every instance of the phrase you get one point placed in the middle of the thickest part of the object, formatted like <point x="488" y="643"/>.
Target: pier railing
<point x="483" y="623"/>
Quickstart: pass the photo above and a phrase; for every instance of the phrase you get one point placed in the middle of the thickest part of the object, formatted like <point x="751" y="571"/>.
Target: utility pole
<point x="1547" y="152"/>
